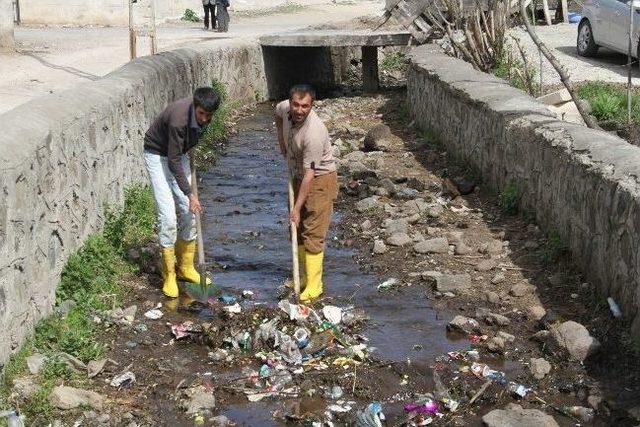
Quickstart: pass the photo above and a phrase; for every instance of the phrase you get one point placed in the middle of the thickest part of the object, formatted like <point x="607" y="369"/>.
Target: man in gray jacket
<point x="209" y="6"/>
<point x="172" y="134"/>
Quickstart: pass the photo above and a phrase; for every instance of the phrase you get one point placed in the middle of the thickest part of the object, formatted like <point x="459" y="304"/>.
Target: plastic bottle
<point x="14" y="419"/>
<point x="615" y="309"/>
<point x="280" y="379"/>
<point x="580" y="412"/>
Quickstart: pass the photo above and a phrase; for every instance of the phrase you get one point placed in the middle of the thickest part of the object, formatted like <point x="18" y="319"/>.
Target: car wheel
<point x="585" y="44"/>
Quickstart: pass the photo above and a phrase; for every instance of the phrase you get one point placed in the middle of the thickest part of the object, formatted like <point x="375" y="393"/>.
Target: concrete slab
<point x="337" y="38"/>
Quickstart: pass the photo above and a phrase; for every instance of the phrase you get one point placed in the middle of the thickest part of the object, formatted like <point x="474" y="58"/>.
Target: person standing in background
<point x="209" y="6"/>
<point x="223" y="15"/>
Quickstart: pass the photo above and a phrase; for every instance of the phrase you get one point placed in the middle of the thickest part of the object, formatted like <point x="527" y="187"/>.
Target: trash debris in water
<point x="228" y="299"/>
<point x="371" y="416"/>
<point x="332" y="313"/>
<point x="154" y="313"/>
<point x="234" y="309"/>
<point x="247" y="294"/>
<point x="185" y="329"/>
<point x="123" y="380"/>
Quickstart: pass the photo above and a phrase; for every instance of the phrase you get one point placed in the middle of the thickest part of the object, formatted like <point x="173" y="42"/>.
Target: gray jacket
<point x="207" y="2"/>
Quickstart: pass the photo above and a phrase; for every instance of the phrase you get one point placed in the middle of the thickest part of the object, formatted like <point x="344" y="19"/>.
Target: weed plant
<point x="190" y="16"/>
<point x="508" y="200"/>
<point x="609" y="102"/>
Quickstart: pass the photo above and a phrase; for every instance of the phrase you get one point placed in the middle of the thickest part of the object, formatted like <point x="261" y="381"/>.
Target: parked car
<point x="606" y="23"/>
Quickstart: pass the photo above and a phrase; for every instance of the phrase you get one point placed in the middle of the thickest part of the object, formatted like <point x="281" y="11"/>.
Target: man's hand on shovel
<point x="194" y="204"/>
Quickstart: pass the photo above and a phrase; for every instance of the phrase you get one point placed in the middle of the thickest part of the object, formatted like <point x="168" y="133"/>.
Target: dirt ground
<point x="51" y="59"/>
<point x="169" y="370"/>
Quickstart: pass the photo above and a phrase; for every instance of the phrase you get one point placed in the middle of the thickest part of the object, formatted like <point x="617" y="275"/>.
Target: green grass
<point x="284" y="8"/>
<point x="92" y="280"/>
<point x="394" y="62"/>
<point x="609" y="102"/>
<point x="508" y="200"/>
<point x="190" y="15"/>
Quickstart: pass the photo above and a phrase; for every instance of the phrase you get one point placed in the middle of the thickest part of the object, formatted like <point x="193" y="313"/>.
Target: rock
<point x="536" y="312"/>
<point x="94" y="367"/>
<point x="464" y="186"/>
<point x="449" y="188"/>
<point x="452" y="282"/>
<point x="366" y="225"/>
<point x="438" y="245"/>
<point x="129" y="313"/>
<point x="35" y="362"/>
<point x="506" y="337"/>
<point x="497" y="319"/>
<point x="416" y="184"/>
<point x="221" y="421"/>
<point x="520" y="290"/>
<point x="515" y="416"/>
<point x="63" y="397"/>
<point x="379" y="138"/>
<point x="635" y="412"/>
<point x="539" y="368"/>
<point x="24" y="387"/>
<point x="379" y="247"/>
<point x="495" y="345"/>
<point x="407" y="194"/>
<point x="355" y="156"/>
<point x="575" y="339"/>
<point x="486" y="265"/>
<point x="463" y="249"/>
<point x="198" y="399"/>
<point x="73" y="362"/>
<point x="399" y="239"/>
<point x="595" y="401"/>
<point x="388" y="185"/>
<point x="65" y="307"/>
<point x="492" y="247"/>
<point x="463" y="324"/>
<point x="498" y="278"/>
<point x="381" y="192"/>
<point x="492" y="297"/>
<point x="367" y="204"/>
<point x="435" y="211"/>
<point x="393" y="226"/>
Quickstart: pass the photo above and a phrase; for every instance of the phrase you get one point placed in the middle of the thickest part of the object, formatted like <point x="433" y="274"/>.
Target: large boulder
<point x="575" y="339"/>
<point x="452" y="282"/>
<point x="379" y="138"/>
<point x="515" y="416"/>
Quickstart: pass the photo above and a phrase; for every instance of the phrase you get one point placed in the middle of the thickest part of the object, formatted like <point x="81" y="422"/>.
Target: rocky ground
<point x="538" y="346"/>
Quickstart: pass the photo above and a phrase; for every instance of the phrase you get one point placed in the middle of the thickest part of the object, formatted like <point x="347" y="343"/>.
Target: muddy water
<point x="245" y="197"/>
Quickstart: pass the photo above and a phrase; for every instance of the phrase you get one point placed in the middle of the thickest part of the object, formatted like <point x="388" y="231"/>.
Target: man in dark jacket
<point x="170" y="137"/>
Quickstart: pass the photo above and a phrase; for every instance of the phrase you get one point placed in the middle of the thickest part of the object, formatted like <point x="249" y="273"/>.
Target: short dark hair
<point x="206" y="98"/>
<point x="303" y="89"/>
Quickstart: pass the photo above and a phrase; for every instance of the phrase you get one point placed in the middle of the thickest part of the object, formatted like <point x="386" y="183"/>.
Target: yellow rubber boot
<point x="301" y="255"/>
<point x="313" y="268"/>
<point x="186" y="254"/>
<point x="169" y="283"/>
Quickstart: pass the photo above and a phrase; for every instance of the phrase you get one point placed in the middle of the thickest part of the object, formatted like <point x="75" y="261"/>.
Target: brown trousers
<point x="315" y="216"/>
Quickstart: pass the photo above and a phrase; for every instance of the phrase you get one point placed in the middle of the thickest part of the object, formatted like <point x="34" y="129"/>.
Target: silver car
<point x="606" y="23"/>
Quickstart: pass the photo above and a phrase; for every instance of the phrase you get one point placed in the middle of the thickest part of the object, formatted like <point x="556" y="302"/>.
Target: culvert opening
<point x="331" y="61"/>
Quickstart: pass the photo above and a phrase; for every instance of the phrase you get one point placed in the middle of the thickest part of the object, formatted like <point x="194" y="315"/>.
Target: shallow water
<point x="245" y="200"/>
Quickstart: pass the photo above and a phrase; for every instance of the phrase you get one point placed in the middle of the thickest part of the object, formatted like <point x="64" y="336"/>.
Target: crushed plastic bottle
<point x="580" y="412"/>
<point x="518" y="389"/>
<point x="280" y="379"/>
<point x="14" y="419"/>
<point x="429" y="406"/>
<point x="371" y="416"/>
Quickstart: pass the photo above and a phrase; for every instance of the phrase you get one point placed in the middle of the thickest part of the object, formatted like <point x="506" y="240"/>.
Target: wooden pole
<point x="202" y="266"/>
<point x="565" y="11"/>
<point x="629" y="63"/>
<point x="545" y="9"/>
<point x="132" y="33"/>
<point x="152" y="30"/>
<point x="294" y="244"/>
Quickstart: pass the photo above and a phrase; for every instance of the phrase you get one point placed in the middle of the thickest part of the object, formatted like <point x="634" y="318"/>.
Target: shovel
<point x="294" y="243"/>
<point x="204" y="291"/>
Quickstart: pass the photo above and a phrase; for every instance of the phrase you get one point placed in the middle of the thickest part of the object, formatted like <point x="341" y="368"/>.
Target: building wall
<point x="581" y="183"/>
<point x="6" y="25"/>
<point x="77" y="152"/>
